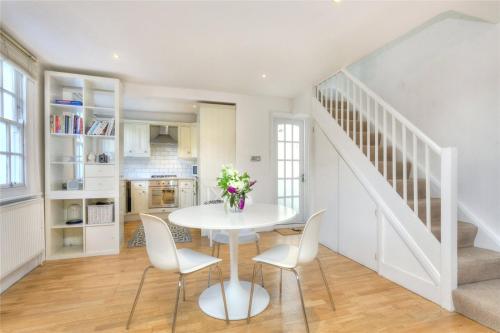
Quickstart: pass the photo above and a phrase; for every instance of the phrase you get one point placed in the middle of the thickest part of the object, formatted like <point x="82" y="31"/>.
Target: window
<point x="12" y="121"/>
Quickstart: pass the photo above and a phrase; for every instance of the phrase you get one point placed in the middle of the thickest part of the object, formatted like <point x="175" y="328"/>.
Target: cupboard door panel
<point x="100" y="239"/>
<point x="357" y="219"/>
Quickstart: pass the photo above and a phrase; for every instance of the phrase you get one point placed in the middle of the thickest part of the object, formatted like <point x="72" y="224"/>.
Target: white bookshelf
<point x="67" y="159"/>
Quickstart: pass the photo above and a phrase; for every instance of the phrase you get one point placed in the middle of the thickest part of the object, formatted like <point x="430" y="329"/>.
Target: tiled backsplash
<point x="163" y="161"/>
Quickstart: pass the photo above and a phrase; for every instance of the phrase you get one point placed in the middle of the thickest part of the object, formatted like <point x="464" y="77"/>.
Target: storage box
<point x="100" y="214"/>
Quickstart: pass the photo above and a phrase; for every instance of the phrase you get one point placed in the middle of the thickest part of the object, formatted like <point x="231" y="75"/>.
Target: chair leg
<point x="210" y="268"/>
<point x="301" y="299"/>
<point x="183" y="288"/>
<point x="179" y="286"/>
<point x="261" y="272"/>
<point x="326" y="283"/>
<point x="221" y="281"/>
<point x="137" y="296"/>
<point x="251" y="292"/>
<point x="281" y="282"/>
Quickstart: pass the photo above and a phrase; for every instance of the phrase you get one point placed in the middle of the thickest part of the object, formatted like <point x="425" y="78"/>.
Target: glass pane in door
<point x="290" y="163"/>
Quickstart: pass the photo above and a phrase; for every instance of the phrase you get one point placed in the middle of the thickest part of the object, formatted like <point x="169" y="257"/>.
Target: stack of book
<point x="102" y="127"/>
<point x="66" y="123"/>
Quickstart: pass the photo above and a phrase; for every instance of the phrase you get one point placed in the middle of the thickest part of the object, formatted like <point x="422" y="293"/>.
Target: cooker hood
<point x="160" y="134"/>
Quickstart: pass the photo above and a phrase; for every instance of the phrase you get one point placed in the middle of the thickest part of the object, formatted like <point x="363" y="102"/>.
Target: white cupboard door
<point x="184" y="144"/>
<point x="186" y="197"/>
<point x="128" y="136"/>
<point x="100" y="239"/>
<point x="357" y="220"/>
<point x="217" y="144"/>
<point x="139" y="197"/>
<point x="136" y="140"/>
<point x="143" y="149"/>
<point x="194" y="142"/>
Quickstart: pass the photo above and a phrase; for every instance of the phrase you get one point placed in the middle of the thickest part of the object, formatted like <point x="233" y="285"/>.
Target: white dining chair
<point x="164" y="255"/>
<point x="288" y="257"/>
<point x="245" y="236"/>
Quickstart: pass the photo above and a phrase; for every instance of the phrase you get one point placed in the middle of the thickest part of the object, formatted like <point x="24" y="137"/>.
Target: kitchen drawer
<point x="100" y="239"/>
<point x="185" y="184"/>
<point x="99" y="184"/>
<point x="139" y="185"/>
<point x="99" y="170"/>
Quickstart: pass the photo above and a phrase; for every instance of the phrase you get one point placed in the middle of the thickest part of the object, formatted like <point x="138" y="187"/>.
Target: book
<point x="68" y="102"/>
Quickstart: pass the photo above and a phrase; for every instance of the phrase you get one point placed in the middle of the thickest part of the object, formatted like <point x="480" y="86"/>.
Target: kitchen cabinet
<point x="136" y="140"/>
<point x="187" y="193"/>
<point x="100" y="239"/>
<point x="217" y="130"/>
<point x="139" y="196"/>
<point x="188" y="142"/>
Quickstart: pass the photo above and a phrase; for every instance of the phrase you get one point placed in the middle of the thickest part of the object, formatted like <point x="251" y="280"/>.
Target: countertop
<point x="169" y="178"/>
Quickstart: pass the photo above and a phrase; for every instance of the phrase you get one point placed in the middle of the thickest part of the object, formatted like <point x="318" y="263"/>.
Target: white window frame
<point x="21" y="106"/>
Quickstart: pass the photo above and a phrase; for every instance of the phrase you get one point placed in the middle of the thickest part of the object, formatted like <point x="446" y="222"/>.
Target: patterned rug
<point x="180" y="234"/>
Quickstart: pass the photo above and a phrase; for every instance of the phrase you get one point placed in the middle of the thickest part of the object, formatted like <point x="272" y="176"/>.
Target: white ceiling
<point x="219" y="45"/>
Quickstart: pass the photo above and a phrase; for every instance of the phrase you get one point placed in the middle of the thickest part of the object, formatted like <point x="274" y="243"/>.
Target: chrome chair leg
<point x="251" y="293"/>
<point x="221" y="281"/>
<point x="301" y="298"/>
<point x="261" y="272"/>
<point x="281" y="282"/>
<point x="137" y="296"/>
<point x="326" y="283"/>
<point x="183" y="288"/>
<point x="210" y="268"/>
<point x="179" y="286"/>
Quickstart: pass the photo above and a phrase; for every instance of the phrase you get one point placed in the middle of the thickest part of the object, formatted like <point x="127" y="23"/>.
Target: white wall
<point x="445" y="79"/>
<point x="253" y="116"/>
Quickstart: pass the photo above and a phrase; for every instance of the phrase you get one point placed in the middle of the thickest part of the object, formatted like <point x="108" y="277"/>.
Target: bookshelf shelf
<point x="68" y="146"/>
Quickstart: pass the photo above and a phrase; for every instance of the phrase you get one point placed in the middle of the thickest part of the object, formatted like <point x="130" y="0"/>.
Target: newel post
<point x="448" y="226"/>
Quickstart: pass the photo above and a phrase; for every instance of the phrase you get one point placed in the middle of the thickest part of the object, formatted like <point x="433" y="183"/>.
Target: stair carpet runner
<point x="478" y="292"/>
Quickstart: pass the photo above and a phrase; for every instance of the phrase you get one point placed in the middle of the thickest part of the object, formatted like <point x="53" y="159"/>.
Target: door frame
<point x="273" y="162"/>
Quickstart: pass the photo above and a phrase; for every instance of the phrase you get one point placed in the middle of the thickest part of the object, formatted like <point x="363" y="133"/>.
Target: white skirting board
<point x="19" y="273"/>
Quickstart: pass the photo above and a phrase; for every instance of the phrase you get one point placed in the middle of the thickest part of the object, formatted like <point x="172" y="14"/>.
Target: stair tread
<point x="466" y="233"/>
<point x="477" y="264"/>
<point x="480" y="301"/>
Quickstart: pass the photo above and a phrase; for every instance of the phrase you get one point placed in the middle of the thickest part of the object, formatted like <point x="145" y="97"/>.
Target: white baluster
<point x="355" y="107"/>
<point x="337" y="98"/>
<point x="385" y="140"/>
<point x="415" y="175"/>
<point x="394" y="152"/>
<point x="342" y="105"/>
<point x="376" y="134"/>
<point x="405" y="184"/>
<point x="368" y="146"/>
<point x="427" y="189"/>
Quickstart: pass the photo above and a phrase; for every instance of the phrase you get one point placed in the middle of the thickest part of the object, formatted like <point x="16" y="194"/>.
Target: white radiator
<point x="21" y="234"/>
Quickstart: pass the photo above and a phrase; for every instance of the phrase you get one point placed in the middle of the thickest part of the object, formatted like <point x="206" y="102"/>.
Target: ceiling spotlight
<point x="263" y="76"/>
<point x="116" y="56"/>
<point x="194" y="106"/>
<point x="337" y="1"/>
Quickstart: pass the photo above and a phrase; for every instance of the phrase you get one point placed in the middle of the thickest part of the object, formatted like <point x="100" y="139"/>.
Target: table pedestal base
<point x="238" y="296"/>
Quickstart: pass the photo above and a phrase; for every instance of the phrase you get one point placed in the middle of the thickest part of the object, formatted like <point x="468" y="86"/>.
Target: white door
<point x="289" y="150"/>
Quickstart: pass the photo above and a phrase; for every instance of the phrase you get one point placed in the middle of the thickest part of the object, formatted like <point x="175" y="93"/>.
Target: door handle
<point x="302" y="178"/>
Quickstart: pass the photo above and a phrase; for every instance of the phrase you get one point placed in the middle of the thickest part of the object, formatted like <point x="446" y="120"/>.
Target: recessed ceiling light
<point x="194" y="106"/>
<point x="263" y="76"/>
<point x="337" y="1"/>
<point x="116" y="56"/>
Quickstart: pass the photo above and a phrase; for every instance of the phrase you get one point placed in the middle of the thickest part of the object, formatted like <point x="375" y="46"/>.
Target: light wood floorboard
<point x="95" y="295"/>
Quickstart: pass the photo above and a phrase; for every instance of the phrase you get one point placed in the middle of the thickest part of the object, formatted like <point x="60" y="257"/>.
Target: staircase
<point x="395" y="148"/>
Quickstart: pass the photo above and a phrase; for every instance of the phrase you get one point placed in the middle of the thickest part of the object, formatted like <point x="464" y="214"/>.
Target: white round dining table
<point x="217" y="217"/>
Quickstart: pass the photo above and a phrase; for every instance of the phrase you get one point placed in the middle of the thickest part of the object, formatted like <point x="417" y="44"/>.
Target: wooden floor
<point x="95" y="295"/>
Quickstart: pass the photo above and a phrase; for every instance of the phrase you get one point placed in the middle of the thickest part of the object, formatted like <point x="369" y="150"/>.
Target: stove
<point x="163" y="176"/>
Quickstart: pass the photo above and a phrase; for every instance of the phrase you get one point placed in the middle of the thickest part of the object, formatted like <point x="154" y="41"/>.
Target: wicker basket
<point x="100" y="214"/>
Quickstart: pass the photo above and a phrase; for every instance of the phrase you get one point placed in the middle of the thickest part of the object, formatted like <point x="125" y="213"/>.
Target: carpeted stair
<point x="478" y="292"/>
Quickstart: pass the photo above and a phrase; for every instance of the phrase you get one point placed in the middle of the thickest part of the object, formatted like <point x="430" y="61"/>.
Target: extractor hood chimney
<point x="163" y="134"/>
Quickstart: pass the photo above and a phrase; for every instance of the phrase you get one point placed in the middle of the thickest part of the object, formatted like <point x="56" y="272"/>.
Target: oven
<point x="163" y="194"/>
